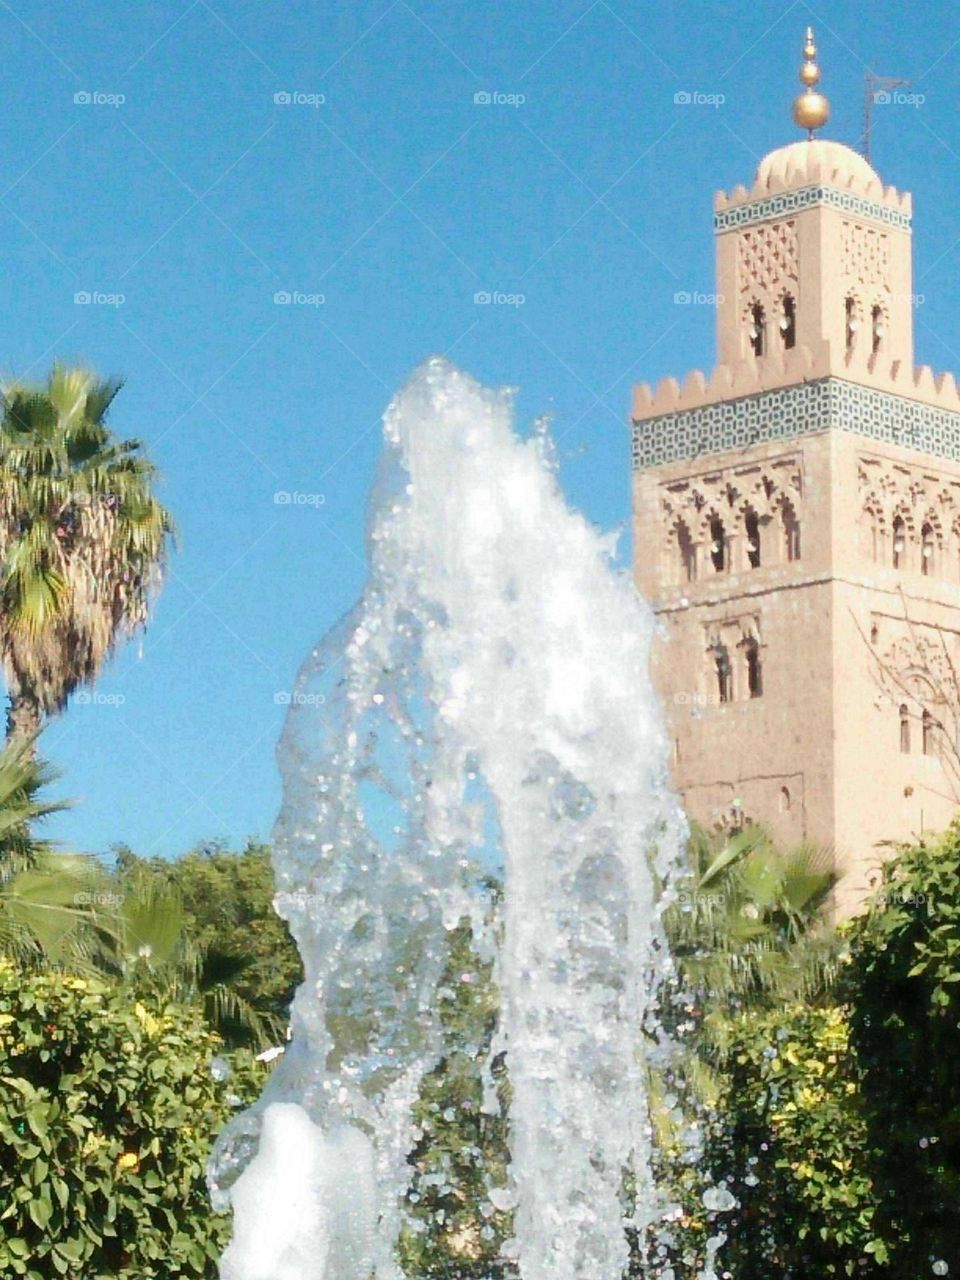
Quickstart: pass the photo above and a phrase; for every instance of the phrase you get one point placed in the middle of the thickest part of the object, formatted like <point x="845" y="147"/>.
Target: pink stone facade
<point x="797" y="526"/>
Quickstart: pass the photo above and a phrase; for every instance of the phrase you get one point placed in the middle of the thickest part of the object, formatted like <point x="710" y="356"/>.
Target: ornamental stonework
<point x="866" y="255"/>
<point x="768" y="258"/>
<point x="731" y="492"/>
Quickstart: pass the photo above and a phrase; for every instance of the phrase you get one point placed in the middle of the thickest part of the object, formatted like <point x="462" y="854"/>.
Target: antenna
<point x="876" y="85"/>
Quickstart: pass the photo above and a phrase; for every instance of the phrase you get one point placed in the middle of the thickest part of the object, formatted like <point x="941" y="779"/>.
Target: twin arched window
<point x="687" y="564"/>
<point x="928" y="732"/>
<point x="726" y="684"/>
<point x="786" y="326"/>
<point x="878" y="326"/>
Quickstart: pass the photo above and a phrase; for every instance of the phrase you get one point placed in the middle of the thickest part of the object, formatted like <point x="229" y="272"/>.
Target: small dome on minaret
<point x="800" y="162"/>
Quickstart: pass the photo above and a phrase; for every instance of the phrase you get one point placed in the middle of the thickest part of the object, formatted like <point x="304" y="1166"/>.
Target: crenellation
<point x="808" y="482"/>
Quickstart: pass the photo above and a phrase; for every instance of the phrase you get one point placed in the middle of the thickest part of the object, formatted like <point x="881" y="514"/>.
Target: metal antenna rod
<point x="875" y="85"/>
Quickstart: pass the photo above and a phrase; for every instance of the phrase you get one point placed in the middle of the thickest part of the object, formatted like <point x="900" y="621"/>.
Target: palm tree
<point x="43" y="895"/>
<point x="748" y="927"/>
<point x="83" y="540"/>
<point x="147" y="947"/>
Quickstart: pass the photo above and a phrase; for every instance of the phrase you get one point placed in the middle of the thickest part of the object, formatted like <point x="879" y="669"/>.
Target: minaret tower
<point x="797" y="520"/>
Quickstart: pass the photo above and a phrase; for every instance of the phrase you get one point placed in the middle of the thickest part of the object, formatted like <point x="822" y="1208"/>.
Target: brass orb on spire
<point x="811" y="110"/>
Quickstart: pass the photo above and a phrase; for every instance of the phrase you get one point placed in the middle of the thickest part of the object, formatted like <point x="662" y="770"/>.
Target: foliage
<point x="790" y="1142"/>
<point x="903" y="984"/>
<point x="82" y="539"/>
<point x="241" y="959"/>
<point x="108" y="1109"/>
<point x="455" y="1229"/>
<point x="746" y="930"/>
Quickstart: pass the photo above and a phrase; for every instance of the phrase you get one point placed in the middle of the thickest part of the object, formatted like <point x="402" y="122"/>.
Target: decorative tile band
<point x="786" y="202"/>
<point x="807" y="407"/>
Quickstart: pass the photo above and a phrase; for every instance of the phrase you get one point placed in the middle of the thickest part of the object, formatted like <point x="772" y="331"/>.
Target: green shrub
<point x="791" y="1142"/>
<point x="108" y="1110"/>
<point x="903" y="984"/>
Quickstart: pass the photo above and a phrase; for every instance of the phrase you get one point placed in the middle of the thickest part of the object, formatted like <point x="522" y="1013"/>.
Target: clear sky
<point x="184" y="197"/>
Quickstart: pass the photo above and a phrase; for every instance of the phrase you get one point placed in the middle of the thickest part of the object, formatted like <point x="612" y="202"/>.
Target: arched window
<point x="899" y="531"/>
<point x="754" y="669"/>
<point x="724" y="671"/>
<point x="852" y="325"/>
<point x="718" y="545"/>
<point x="879" y="328"/>
<point x="870" y="533"/>
<point x="929" y="728"/>
<point x="757" y="332"/>
<point x="784" y="799"/>
<point x="791" y="532"/>
<point x="686" y="552"/>
<point x="904" y="729"/>
<point x="927" y="547"/>
<point x="751" y="525"/>
<point x="788" y="323"/>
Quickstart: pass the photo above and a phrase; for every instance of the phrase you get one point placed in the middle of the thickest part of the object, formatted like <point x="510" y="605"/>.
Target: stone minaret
<point x="797" y="522"/>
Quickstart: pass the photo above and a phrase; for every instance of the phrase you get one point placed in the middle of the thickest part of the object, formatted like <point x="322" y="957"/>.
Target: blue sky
<point x="584" y="187"/>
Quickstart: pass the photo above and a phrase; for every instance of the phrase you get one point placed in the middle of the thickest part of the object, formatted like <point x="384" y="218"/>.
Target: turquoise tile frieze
<point x="826" y="404"/>
<point x="787" y="202"/>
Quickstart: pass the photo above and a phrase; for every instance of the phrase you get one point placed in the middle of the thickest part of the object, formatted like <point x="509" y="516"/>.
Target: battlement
<point x="786" y="368"/>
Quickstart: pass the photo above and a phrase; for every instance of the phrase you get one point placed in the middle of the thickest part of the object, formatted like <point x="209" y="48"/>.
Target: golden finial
<point x="811" y="110"/>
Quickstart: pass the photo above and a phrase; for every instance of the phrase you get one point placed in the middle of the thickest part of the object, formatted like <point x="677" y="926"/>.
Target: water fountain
<point x="486" y="707"/>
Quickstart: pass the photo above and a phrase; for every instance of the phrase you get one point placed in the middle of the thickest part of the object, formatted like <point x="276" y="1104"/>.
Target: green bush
<point x="108" y="1110"/>
<point x="792" y="1144"/>
<point x="903" y="984"/>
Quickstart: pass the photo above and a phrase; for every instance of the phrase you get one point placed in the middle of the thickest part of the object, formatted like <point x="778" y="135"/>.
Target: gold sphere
<point x="809" y="74"/>
<point x="810" y="51"/>
<point x="811" y="110"/>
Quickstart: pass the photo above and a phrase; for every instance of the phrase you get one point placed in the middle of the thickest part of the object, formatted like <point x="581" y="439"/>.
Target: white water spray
<point x="487" y="705"/>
